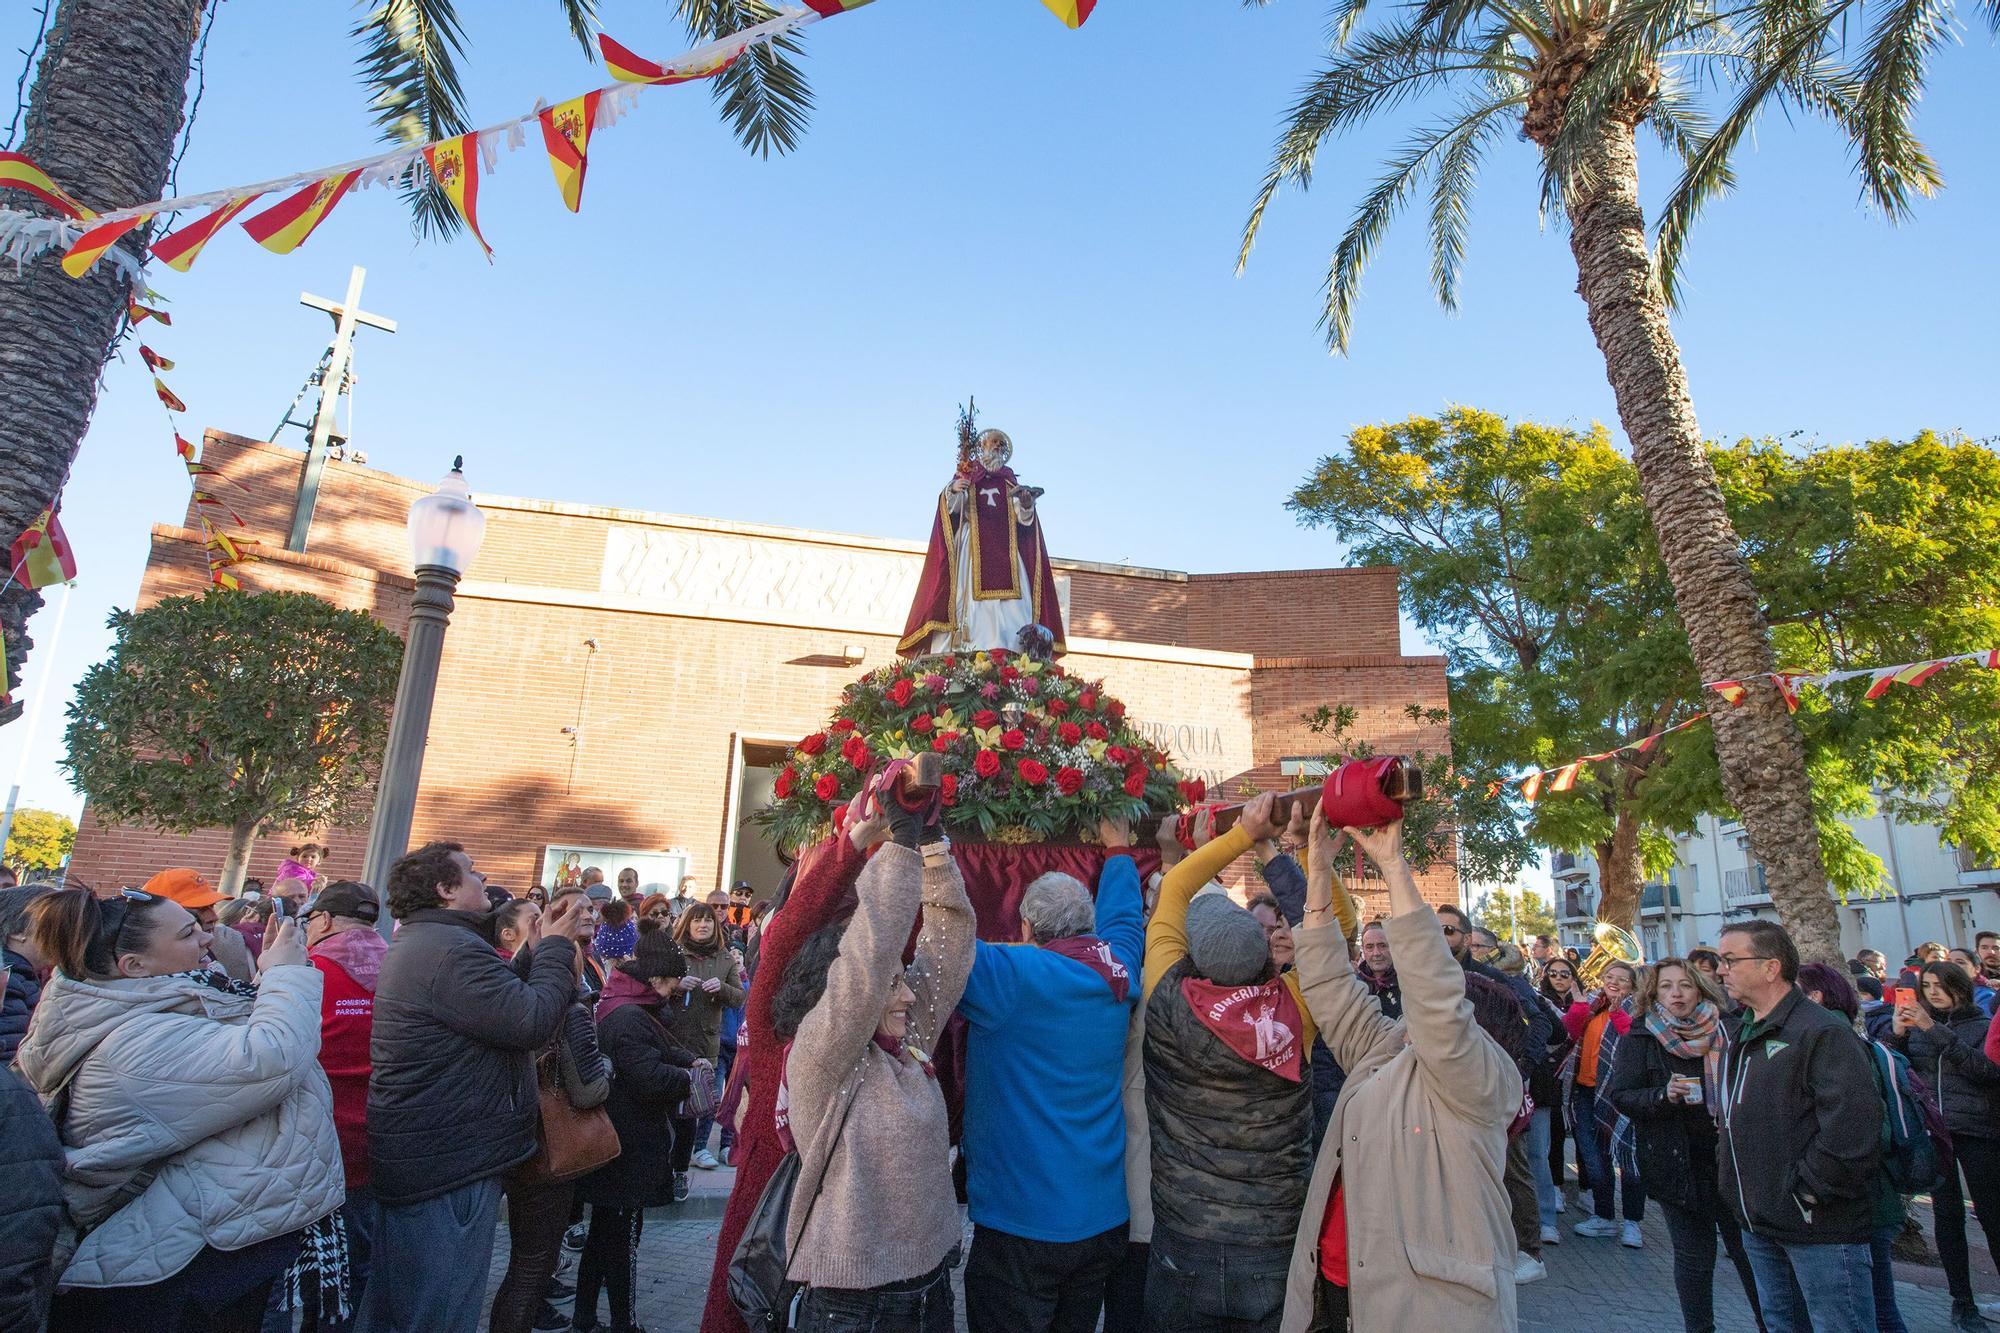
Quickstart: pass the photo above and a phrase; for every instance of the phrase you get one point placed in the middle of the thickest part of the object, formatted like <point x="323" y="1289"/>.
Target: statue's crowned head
<point x="993" y="449"/>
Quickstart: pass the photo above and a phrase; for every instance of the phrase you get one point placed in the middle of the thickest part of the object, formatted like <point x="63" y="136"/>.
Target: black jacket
<point x="451" y="1097"/>
<point x="1676" y="1141"/>
<point x="1801" y="1128"/>
<point x="649" y="1079"/>
<point x="31" y="1161"/>
<point x="1951" y="1056"/>
<point x="1542" y="1024"/>
<point x="1232" y="1142"/>
<point x="23" y="994"/>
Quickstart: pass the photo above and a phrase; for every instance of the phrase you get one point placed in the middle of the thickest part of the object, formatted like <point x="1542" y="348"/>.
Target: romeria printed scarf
<point x="1696" y="1037"/>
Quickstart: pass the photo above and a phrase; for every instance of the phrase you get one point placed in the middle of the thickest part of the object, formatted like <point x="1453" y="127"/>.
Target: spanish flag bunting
<point x="184" y="447"/>
<point x="284" y="226"/>
<point x="566" y="131"/>
<point x="628" y="67"/>
<point x="1991" y="661"/>
<point x="1916" y="673"/>
<point x="195" y="469"/>
<point x="180" y="248"/>
<point x="454" y="165"/>
<point x="19" y="172"/>
<point x="154" y="361"/>
<point x="90" y="247"/>
<point x="41" y="556"/>
<point x="1493" y="789"/>
<point x="1788" y="689"/>
<point x="139" y="314"/>
<point x="834" y="8"/>
<point x="167" y="396"/>
<point x="1565" y="777"/>
<point x="1532" y="787"/>
<point x="1732" y="690"/>
<point x="1074" y="13"/>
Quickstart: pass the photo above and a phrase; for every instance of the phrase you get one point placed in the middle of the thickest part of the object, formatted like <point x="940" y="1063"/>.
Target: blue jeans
<point x="1607" y="1189"/>
<point x="919" y="1305"/>
<point x="1547" y="1197"/>
<point x="1813" y="1288"/>
<point x="429" y="1262"/>
<point x="1888" y="1319"/>
<point x="1202" y="1286"/>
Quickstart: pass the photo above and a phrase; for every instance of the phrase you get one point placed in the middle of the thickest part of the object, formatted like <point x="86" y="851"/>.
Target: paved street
<point x="1592" y="1284"/>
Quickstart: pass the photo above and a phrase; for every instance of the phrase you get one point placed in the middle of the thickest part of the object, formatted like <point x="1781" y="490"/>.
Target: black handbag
<point x="758" y="1287"/>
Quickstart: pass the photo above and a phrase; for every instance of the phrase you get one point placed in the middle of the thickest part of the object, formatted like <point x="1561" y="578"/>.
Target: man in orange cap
<point x="186" y="887"/>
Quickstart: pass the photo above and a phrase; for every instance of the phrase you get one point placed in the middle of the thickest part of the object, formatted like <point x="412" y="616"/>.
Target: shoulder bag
<point x="574" y="1140"/>
<point x="758" y="1287"/>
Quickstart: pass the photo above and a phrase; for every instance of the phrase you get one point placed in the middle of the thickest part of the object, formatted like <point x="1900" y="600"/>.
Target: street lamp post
<point x="445" y="531"/>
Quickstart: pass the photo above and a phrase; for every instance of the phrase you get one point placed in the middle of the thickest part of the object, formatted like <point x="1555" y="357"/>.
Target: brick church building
<point x="617" y="685"/>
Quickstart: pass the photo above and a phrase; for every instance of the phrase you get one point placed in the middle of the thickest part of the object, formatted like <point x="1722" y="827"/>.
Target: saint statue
<point x="986" y="581"/>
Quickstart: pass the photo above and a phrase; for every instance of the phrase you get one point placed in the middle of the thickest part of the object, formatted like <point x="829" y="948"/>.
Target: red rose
<point x="1119" y="755"/>
<point x="900" y="692"/>
<point x="948" y="789"/>
<point x="1070" y="733"/>
<point x="986" y="764"/>
<point x="1010" y="673"/>
<point x="1032" y="773"/>
<point x="1069" y="781"/>
<point x="813" y="744"/>
<point x="855" y="751"/>
<point x="843" y="724"/>
<point x="1135" y="780"/>
<point x="1114" y="710"/>
<point x="1096" y="731"/>
<point x="1056" y="707"/>
<point x="998" y="654"/>
<point x="922" y="722"/>
<point x="985" y="717"/>
<point x="942" y="742"/>
<point x="951" y="659"/>
<point x="826" y="787"/>
<point x="787" y="779"/>
<point x="1194" y="791"/>
<point x="1013" y="739"/>
<point x="1087" y="701"/>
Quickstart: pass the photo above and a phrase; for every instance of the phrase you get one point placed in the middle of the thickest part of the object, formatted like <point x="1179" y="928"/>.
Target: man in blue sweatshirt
<point x="1044" y="1123"/>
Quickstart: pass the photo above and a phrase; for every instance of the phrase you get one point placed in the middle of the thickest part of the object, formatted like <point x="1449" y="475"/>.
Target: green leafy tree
<point x="1577" y="82"/>
<point x="1515" y="914"/>
<point x="39" y="840"/>
<point x="1527" y="557"/>
<point x="244" y="711"/>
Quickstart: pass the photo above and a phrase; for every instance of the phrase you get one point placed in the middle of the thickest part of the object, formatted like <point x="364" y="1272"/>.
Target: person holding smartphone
<point x="1664" y="1079"/>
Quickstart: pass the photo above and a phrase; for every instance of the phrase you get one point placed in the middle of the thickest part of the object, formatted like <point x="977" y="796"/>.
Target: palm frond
<point x="581" y="15"/>
<point x="409" y="63"/>
<point x="1451" y="204"/>
<point x="1892" y="161"/>
<point x="764" y="95"/>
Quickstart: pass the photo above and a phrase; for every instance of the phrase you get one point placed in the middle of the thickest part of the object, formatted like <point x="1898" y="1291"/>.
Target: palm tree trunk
<point x="1762" y="757"/>
<point x="102" y="120"/>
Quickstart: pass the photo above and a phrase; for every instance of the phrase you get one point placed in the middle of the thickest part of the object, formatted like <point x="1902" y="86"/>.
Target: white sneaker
<point x="1528" y="1269"/>
<point x="1552" y="1235"/>
<point x="1596" y="1226"/>
<point x="1629" y="1237"/>
<point x="1561" y="1207"/>
<point x="704" y="1160"/>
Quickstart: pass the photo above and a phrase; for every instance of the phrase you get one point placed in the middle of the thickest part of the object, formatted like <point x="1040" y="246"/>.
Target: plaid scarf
<point x="210" y="974"/>
<point x="320" y="1273"/>
<point x="1696" y="1037"/>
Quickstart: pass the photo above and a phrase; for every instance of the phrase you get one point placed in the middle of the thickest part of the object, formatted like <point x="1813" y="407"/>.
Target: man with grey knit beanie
<point x="1228" y="1105"/>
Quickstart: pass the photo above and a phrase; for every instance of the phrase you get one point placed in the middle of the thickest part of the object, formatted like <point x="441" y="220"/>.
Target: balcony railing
<point x="1650" y="897"/>
<point x="1971" y="871"/>
<point x="1745" y="884"/>
<point x="1563" y="865"/>
<point x="1573" y="905"/>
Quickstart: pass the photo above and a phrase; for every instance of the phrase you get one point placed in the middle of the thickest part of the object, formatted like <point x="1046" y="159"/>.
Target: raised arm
<point x="820" y="882"/>
<point x="1166" y="936"/>
<point x="1349" y="1018"/>
<point x="479" y="996"/>
<point x="944" y="946"/>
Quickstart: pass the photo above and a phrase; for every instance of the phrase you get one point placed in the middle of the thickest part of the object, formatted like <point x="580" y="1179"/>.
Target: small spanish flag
<point x="566" y="131"/>
<point x="90" y="246"/>
<point x="139" y="314"/>
<point x="179" y="249"/>
<point x="1992" y="659"/>
<point x="1732" y="690"/>
<point x="284" y="226"/>
<point x="630" y="68"/>
<point x="1074" y="13"/>
<point x="184" y="447"/>
<point x="41" y="556"/>
<point x="1565" y="777"/>
<point x="19" y="172"/>
<point x="168" y="396"/>
<point x="154" y="361"/>
<point x="1788" y="689"/>
<point x="833" y="8"/>
<point x="454" y="164"/>
<point x="1532" y="787"/>
<point x="1916" y="673"/>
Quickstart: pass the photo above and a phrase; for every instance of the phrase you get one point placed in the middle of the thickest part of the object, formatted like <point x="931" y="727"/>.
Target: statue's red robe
<point x="1000" y="548"/>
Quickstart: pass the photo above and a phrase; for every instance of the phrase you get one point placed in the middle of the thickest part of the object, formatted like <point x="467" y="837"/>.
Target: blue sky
<point x="989" y="204"/>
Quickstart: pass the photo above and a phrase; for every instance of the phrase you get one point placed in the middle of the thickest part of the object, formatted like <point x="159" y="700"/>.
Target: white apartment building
<point x="1935" y="892"/>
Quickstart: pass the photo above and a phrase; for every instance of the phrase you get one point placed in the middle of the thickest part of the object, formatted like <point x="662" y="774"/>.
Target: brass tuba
<point x="1615" y="944"/>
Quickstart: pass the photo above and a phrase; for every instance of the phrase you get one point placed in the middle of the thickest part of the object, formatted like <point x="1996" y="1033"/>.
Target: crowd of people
<point x="1160" y="1104"/>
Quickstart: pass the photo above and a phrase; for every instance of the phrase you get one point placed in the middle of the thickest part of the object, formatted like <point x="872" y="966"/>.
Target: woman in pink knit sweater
<point x="874" y="1222"/>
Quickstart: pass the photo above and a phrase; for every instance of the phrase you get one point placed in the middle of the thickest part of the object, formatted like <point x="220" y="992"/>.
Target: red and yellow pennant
<point x="1731" y="690"/>
<point x="41" y="556"/>
<point x="285" y="225"/>
<point x="168" y="396"/>
<point x="566" y="131"/>
<point x="154" y="361"/>
<point x="1916" y="673"/>
<point x="834" y="8"/>
<point x="19" y="172"/>
<point x="180" y="248"/>
<point x="90" y="247"/>
<point x="628" y="67"/>
<point x="1073" y="13"/>
<point x="139" y="314"/>
<point x="454" y="165"/>
<point x="1532" y="787"/>
<point x="1564" y="778"/>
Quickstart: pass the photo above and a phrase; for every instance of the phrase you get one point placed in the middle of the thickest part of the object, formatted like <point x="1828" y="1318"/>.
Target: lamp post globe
<point x="446" y="528"/>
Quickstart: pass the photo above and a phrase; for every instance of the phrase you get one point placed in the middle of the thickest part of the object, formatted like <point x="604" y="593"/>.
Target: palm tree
<point x="102" y="119"/>
<point x="1577" y="78"/>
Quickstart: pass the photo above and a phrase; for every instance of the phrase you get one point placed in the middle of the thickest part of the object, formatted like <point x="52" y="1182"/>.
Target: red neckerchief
<point x="1096" y="955"/>
<point x="1260" y="1023"/>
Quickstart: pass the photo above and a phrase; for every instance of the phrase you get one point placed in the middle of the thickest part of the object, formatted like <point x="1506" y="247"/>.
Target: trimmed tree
<point x="39" y="840"/>
<point x="245" y="711"/>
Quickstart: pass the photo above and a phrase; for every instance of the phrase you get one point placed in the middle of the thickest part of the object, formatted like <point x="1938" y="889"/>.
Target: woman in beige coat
<point x="1418" y="1141"/>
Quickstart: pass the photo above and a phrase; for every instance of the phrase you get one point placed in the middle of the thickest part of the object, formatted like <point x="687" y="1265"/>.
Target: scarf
<point x="1260" y="1023"/>
<point x="622" y="988"/>
<point x="210" y="974"/>
<point x="1096" y="955"/>
<point x="320" y="1273"/>
<point x="695" y="948"/>
<point x="359" y="953"/>
<point x="1696" y="1037"/>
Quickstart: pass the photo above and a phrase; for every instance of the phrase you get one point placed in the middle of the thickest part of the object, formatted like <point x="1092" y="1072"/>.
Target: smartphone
<point x="1893" y="995"/>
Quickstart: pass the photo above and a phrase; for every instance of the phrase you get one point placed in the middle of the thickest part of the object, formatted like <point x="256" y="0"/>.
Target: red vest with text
<point x="346" y="1017"/>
